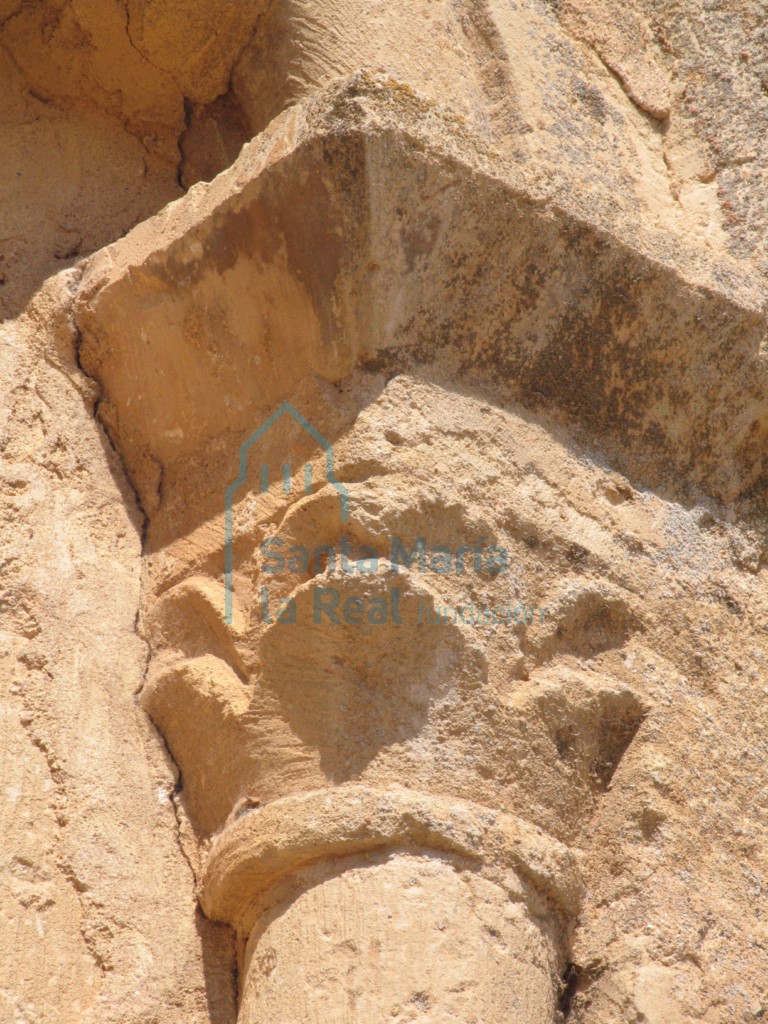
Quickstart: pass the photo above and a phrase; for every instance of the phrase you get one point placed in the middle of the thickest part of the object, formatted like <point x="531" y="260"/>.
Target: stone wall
<point x="384" y="609"/>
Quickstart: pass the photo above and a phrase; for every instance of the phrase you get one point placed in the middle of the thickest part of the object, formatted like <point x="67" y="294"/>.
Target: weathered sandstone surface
<point x="384" y="493"/>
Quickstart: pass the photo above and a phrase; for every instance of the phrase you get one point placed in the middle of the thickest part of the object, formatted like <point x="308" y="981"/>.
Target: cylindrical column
<point x="362" y="906"/>
<point x="395" y="937"/>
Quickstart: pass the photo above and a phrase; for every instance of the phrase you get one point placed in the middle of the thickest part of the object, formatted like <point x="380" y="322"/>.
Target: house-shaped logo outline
<point x="245" y="447"/>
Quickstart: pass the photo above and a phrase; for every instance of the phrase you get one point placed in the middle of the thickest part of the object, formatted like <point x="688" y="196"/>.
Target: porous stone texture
<point x="97" y="914"/>
<point x="488" y="962"/>
<point x="385" y="503"/>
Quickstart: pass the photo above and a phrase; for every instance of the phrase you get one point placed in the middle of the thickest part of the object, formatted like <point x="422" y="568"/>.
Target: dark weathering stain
<point x="419" y="239"/>
<point x="303" y="211"/>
